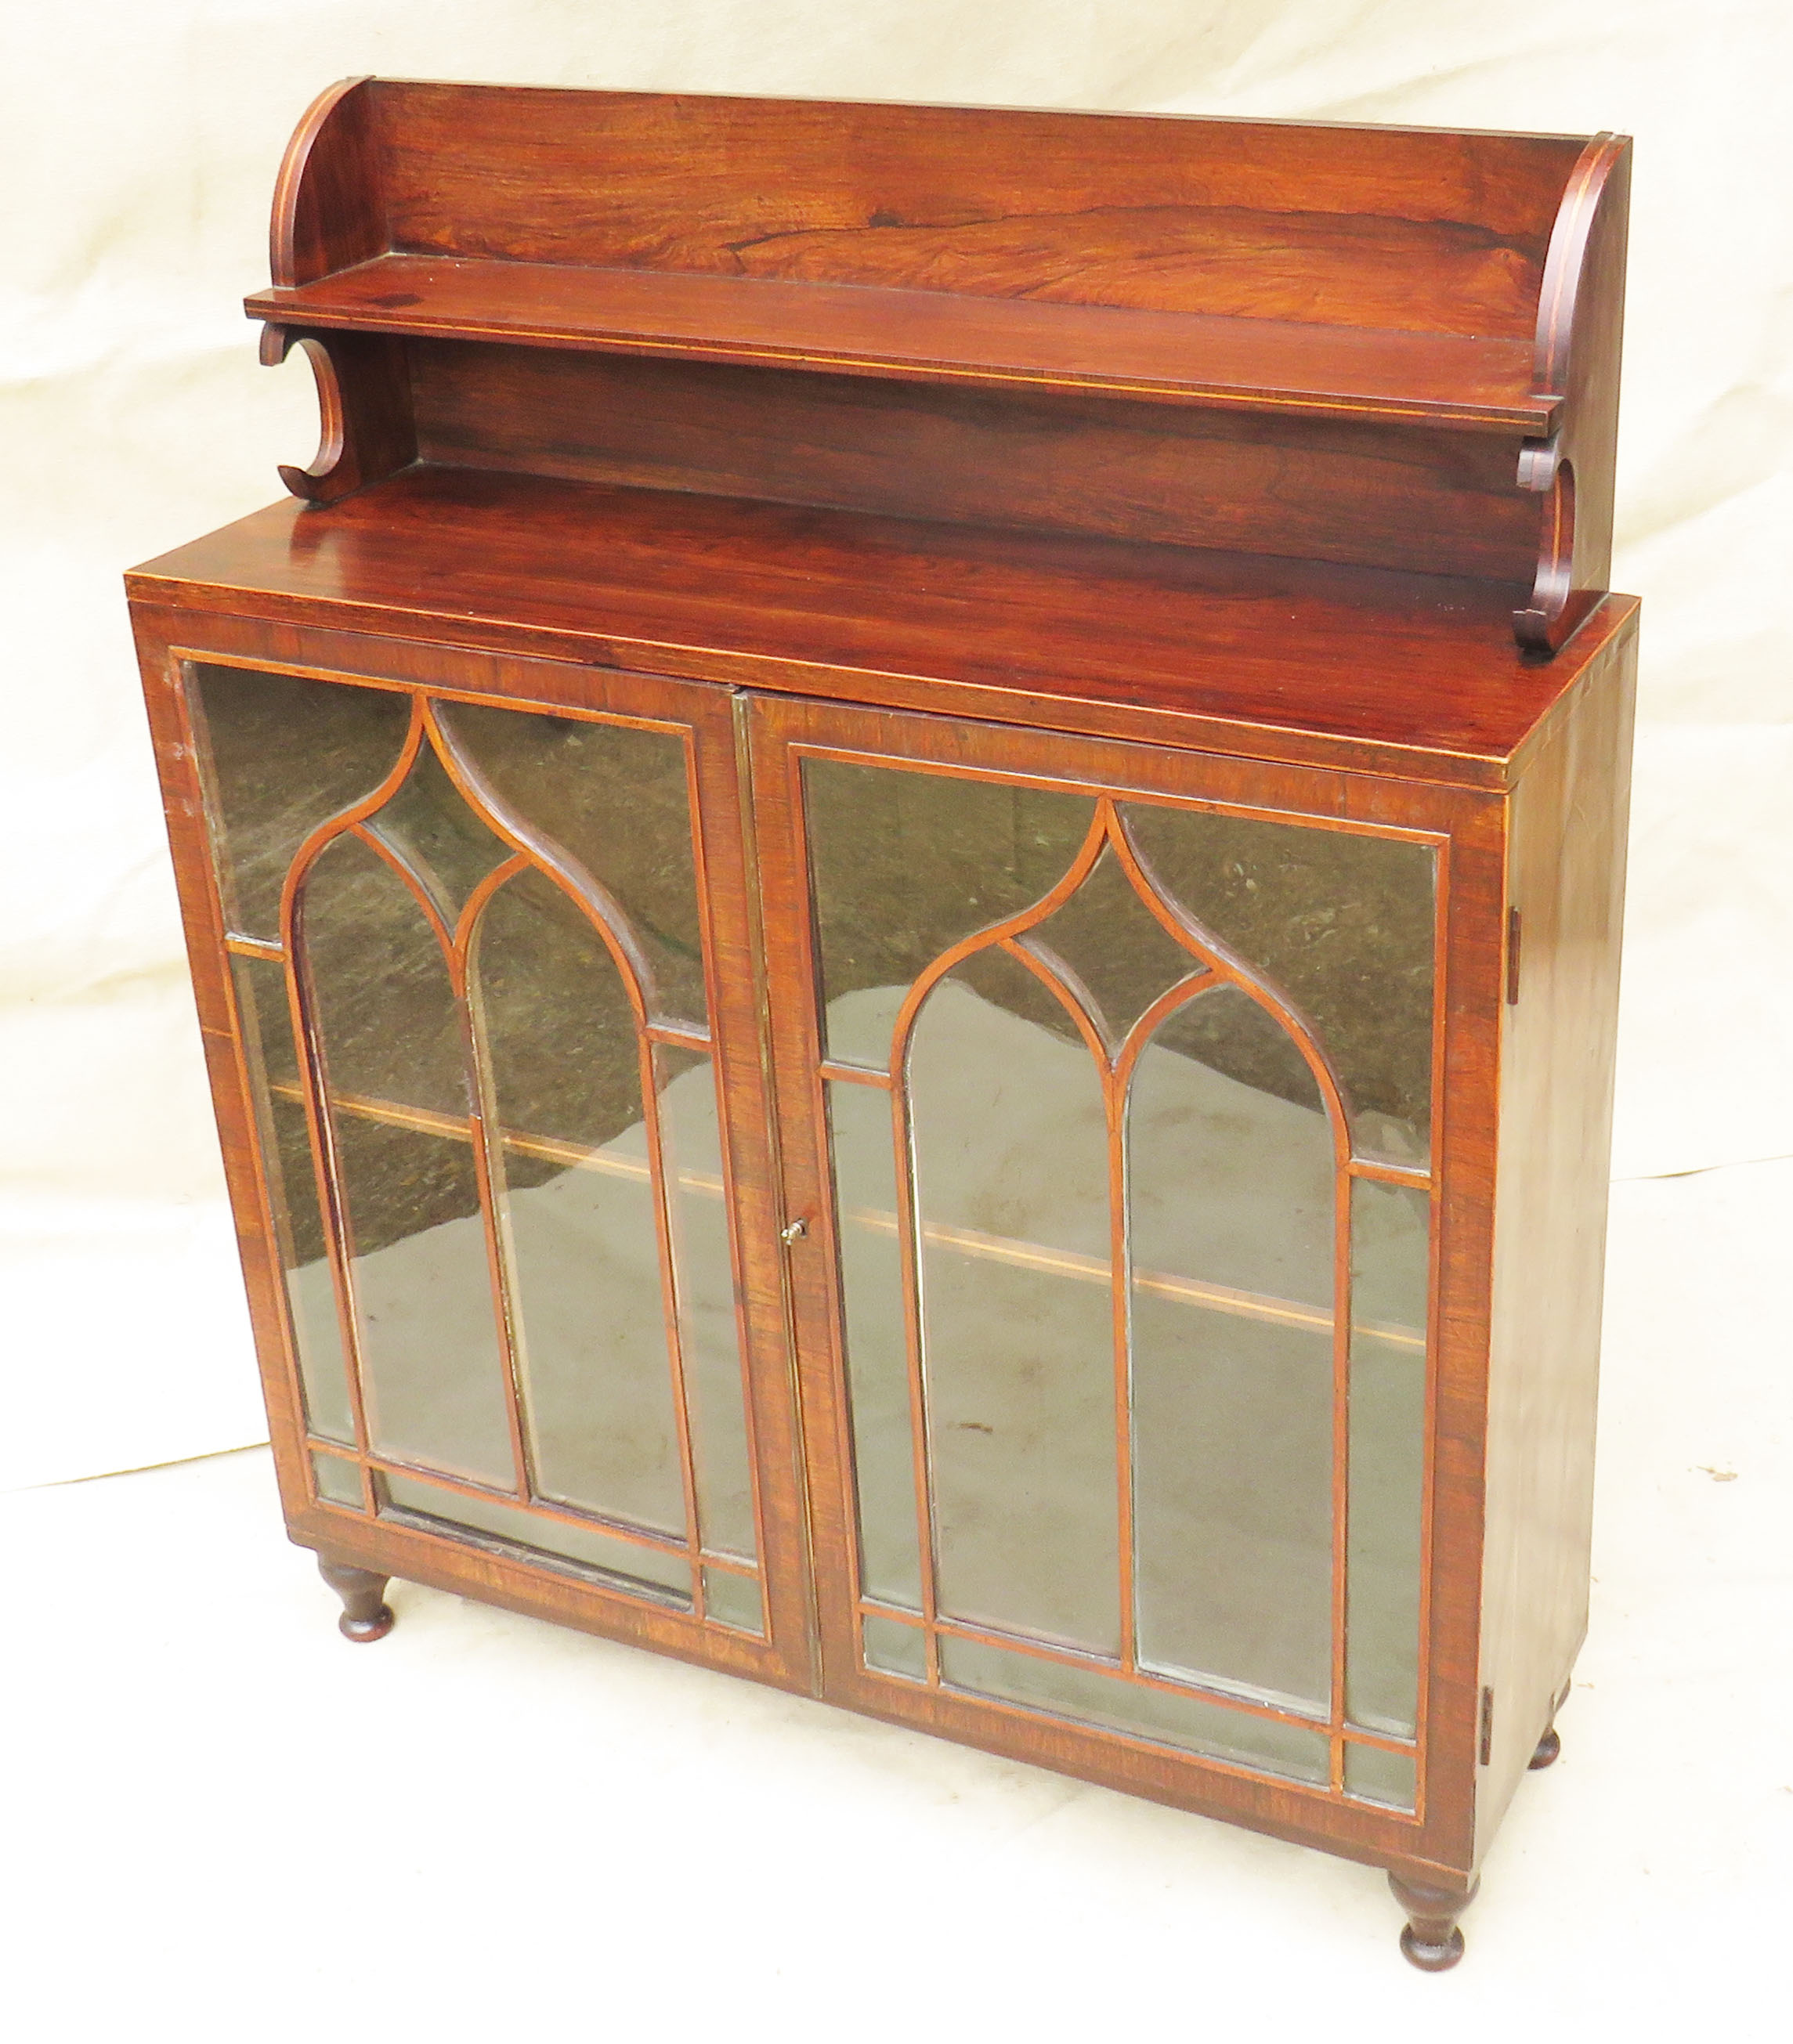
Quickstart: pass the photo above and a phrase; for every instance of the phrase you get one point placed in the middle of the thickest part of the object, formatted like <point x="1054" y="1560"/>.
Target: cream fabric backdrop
<point x="139" y="149"/>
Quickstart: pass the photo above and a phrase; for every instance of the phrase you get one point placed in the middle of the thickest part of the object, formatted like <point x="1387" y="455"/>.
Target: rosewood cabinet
<point x="904" y="885"/>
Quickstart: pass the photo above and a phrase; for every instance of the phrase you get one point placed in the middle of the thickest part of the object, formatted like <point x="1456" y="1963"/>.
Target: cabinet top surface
<point x="1276" y="659"/>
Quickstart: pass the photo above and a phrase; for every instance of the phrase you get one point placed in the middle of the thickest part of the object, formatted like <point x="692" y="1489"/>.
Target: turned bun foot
<point x="1430" y="1939"/>
<point x="365" y="1615"/>
<point x="1548" y="1749"/>
<point x="1428" y="1956"/>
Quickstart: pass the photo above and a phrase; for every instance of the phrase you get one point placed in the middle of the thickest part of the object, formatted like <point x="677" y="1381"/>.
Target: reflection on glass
<point x="892" y="1649"/>
<point x="704" y="1284"/>
<point x="553" y="1540"/>
<point x="433" y="1379"/>
<point x="906" y="864"/>
<point x="617" y="799"/>
<point x="280" y="756"/>
<point x="338" y="1481"/>
<point x="1341" y="922"/>
<point x="1231" y="1449"/>
<point x="1231" y="1182"/>
<point x="587" y="1310"/>
<point x="1123" y="956"/>
<point x="432" y="1382"/>
<point x="292" y="1185"/>
<point x="877" y="1359"/>
<point x="734" y="1600"/>
<point x="1372" y="1775"/>
<point x="1231" y="1191"/>
<point x="558" y="1024"/>
<point x="1390" y="1251"/>
<point x="1098" y="1698"/>
<point x="437" y="836"/>
<point x="1011" y="1162"/>
<point x="380" y="983"/>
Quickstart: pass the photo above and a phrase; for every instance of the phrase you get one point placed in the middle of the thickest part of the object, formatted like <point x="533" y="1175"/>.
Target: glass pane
<point x="551" y="1540"/>
<point x="433" y="1379"/>
<point x="617" y="800"/>
<point x="1231" y="1181"/>
<point x="892" y="1649"/>
<point x="1373" y="1776"/>
<point x="1011" y="1158"/>
<point x="392" y="1030"/>
<point x="437" y="836"/>
<point x="1390" y="1255"/>
<point x="1232" y="1191"/>
<point x="709" y="1335"/>
<point x="432" y="1382"/>
<point x="734" y="1600"/>
<point x="1122" y="954"/>
<point x="560" y="1031"/>
<point x="877" y="1355"/>
<point x="587" y="1308"/>
<point x="1341" y="923"/>
<point x="337" y="1480"/>
<point x="292" y="1185"/>
<point x="1098" y="1698"/>
<point x="280" y="756"/>
<point x="906" y="864"/>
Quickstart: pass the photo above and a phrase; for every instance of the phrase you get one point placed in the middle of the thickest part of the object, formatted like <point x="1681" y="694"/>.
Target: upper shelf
<point x="937" y="337"/>
<point x="1380" y="346"/>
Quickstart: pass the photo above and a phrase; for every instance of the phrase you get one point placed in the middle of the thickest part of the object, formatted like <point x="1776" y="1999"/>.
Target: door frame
<point x="1467" y="828"/>
<point x="168" y="640"/>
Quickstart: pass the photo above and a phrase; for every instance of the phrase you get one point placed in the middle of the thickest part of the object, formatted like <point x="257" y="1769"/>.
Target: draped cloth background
<point x="138" y="153"/>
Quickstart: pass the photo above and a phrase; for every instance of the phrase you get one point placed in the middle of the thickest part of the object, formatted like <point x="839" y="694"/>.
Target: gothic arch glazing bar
<point x="455" y="849"/>
<point x="1117" y="953"/>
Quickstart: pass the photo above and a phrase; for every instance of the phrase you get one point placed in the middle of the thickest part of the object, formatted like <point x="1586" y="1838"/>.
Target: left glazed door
<point x="465" y="921"/>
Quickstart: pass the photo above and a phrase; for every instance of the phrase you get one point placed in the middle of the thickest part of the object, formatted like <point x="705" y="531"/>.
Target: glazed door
<point x="493" y="1106"/>
<point x="1106" y="1088"/>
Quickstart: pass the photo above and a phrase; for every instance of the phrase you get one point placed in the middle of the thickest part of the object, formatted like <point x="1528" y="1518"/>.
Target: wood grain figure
<point x="795" y="599"/>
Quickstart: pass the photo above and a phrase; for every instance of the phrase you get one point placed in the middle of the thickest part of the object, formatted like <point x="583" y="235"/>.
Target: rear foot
<point x="1548" y="1749"/>
<point x="1430" y="1939"/>
<point x="365" y="1615"/>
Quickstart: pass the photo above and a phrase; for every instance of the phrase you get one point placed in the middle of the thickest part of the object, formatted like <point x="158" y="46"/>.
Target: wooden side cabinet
<point x="904" y="881"/>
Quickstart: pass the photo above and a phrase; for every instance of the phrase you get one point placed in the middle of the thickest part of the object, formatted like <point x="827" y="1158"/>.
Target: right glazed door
<point x="1106" y="1085"/>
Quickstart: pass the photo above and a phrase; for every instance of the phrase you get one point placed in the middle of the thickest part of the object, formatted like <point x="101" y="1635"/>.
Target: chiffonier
<point x="903" y="870"/>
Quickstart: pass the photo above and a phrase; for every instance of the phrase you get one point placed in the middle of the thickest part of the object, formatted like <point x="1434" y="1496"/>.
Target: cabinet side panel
<point x="1566" y="881"/>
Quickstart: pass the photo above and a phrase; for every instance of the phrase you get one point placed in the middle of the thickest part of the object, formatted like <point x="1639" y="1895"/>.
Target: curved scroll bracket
<point x="365" y="405"/>
<point x="1575" y="359"/>
<point x="1559" y="604"/>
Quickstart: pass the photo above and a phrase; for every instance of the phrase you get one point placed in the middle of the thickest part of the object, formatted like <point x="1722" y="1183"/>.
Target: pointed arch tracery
<point x="525" y="849"/>
<point x="1213" y="964"/>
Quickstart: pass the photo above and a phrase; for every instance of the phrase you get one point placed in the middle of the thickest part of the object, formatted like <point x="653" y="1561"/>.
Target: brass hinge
<point x="1512" y="958"/>
<point x="1485" y="1751"/>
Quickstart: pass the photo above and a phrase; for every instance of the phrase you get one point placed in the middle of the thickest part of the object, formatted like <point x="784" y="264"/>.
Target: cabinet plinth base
<point x="365" y="1615"/>
<point x="1430" y="1939"/>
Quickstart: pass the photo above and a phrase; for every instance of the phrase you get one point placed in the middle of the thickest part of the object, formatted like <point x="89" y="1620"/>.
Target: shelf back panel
<point x="1418" y="229"/>
<point x="1359" y="494"/>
